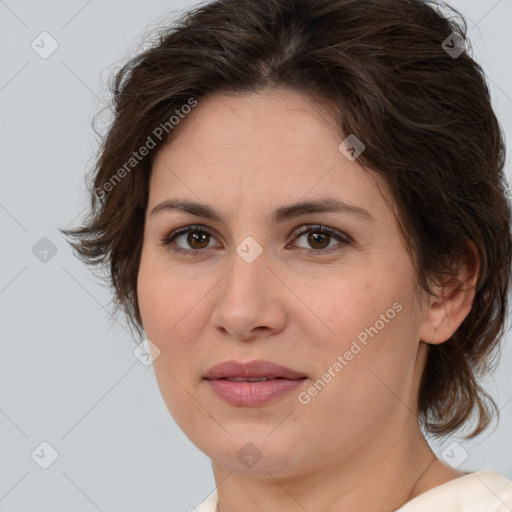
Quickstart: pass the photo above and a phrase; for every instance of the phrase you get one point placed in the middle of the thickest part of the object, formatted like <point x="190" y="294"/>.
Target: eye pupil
<point x="313" y="240"/>
<point x="198" y="237"/>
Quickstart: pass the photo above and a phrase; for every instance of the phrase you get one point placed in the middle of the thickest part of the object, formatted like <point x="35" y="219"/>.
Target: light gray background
<point x="67" y="372"/>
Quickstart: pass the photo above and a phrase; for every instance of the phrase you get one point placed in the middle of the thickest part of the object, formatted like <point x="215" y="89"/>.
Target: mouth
<point x="252" y="384"/>
<point x="250" y="393"/>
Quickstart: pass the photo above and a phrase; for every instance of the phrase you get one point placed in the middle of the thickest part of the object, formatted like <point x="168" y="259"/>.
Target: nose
<point x="250" y="300"/>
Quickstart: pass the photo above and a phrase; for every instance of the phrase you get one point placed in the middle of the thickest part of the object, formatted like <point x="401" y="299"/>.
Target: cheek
<point x="153" y="297"/>
<point x="173" y="311"/>
<point x="372" y="330"/>
<point x="366" y="373"/>
<point x="164" y="298"/>
<point x="358" y="306"/>
<point x="166" y="306"/>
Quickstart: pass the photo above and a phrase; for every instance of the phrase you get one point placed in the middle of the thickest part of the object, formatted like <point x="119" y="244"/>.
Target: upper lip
<point x="255" y="369"/>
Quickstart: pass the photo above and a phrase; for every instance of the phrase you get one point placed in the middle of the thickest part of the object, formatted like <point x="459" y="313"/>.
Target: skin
<point x="347" y="449"/>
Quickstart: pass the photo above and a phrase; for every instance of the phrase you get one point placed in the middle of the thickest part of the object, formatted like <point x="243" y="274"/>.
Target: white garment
<point x="482" y="491"/>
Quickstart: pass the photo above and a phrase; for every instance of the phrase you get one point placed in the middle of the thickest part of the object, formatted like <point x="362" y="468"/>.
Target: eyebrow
<point x="281" y="214"/>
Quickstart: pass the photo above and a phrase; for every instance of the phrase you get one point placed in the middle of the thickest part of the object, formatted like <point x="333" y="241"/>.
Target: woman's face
<point x="339" y="309"/>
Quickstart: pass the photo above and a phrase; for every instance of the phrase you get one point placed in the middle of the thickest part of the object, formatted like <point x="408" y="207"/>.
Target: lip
<point x="252" y="394"/>
<point x="254" y="369"/>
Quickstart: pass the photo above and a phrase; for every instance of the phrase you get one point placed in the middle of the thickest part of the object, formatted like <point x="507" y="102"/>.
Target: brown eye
<point x="190" y="239"/>
<point x="320" y="239"/>
<point x="195" y="239"/>
<point x="199" y="238"/>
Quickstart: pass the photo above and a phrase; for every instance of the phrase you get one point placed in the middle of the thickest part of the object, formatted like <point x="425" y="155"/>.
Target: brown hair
<point x="424" y="116"/>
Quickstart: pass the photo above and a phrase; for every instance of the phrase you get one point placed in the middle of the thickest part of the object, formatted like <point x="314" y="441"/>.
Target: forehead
<point x="257" y="121"/>
<point x="259" y="149"/>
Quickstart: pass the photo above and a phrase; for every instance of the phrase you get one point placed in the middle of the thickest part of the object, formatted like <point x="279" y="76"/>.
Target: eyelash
<point x="339" y="236"/>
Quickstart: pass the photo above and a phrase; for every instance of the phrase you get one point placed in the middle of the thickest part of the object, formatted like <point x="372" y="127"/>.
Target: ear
<point x="453" y="301"/>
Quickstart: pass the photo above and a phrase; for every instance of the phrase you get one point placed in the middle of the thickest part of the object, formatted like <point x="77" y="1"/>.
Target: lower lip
<point x="251" y="394"/>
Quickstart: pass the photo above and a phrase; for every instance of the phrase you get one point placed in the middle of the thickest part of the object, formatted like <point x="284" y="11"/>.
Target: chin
<point x="256" y="456"/>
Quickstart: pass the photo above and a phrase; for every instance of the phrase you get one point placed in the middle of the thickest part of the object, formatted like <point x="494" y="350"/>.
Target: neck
<point x="381" y="478"/>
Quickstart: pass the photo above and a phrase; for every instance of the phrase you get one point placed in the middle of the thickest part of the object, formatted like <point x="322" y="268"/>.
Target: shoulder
<point x="485" y="491"/>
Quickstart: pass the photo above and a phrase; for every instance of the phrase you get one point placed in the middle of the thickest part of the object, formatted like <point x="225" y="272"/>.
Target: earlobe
<point x="453" y="301"/>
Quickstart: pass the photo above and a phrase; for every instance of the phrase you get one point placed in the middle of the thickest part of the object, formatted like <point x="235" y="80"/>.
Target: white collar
<point x="483" y="490"/>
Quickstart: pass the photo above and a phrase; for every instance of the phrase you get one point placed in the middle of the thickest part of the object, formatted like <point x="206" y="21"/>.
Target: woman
<point x="302" y="207"/>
